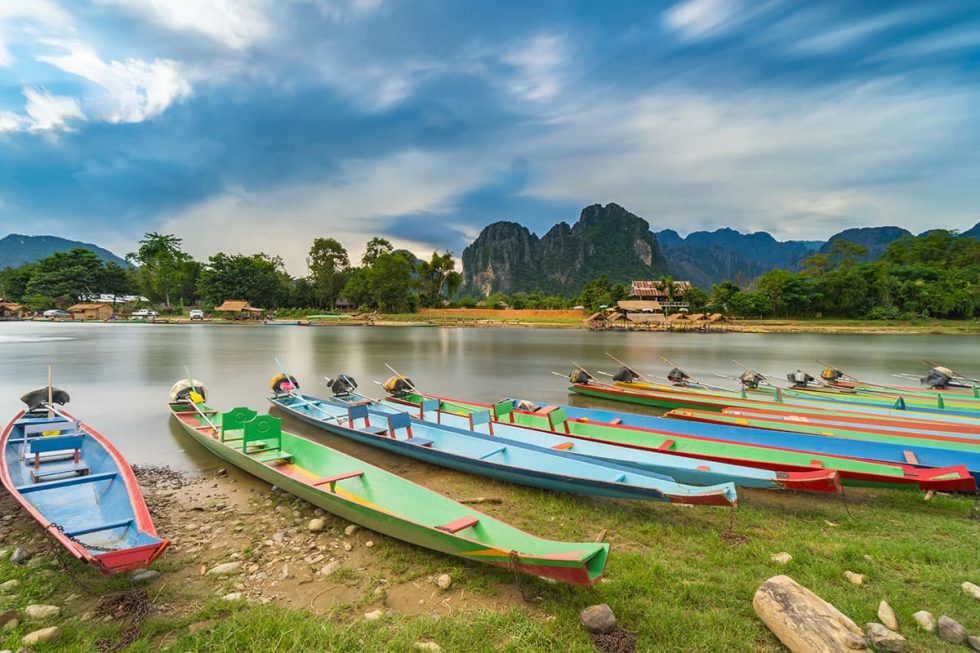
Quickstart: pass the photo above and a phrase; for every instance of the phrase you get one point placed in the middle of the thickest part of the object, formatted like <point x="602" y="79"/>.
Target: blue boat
<point x="78" y="487"/>
<point x="496" y="457"/>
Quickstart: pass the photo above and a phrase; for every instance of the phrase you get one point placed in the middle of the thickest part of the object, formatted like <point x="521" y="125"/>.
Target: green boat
<point x="374" y="498"/>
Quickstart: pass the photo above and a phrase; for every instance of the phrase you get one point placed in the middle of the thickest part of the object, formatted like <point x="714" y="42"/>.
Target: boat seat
<point x="666" y="446"/>
<point x="46" y="427"/>
<point x="79" y="469"/>
<point x="421" y="442"/>
<point x="108" y="526"/>
<point x="459" y="524"/>
<point x="59" y="447"/>
<point x="374" y="430"/>
<point x="64" y="482"/>
<point x="616" y="420"/>
<point x="564" y="446"/>
<point x="910" y="457"/>
<point x="544" y="410"/>
<point x="332" y="480"/>
<point x="270" y="455"/>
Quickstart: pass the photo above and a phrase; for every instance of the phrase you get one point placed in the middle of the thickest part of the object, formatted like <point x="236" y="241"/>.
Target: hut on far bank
<point x="11" y="311"/>
<point x="92" y="311"/>
<point x="239" y="309"/>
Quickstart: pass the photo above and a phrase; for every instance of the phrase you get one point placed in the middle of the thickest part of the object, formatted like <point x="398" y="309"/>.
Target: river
<point x="118" y="374"/>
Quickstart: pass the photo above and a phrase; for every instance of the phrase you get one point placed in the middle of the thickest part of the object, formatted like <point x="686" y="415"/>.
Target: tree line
<point x="387" y="279"/>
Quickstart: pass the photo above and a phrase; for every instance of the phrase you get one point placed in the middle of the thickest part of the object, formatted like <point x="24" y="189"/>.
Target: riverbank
<point x="251" y="568"/>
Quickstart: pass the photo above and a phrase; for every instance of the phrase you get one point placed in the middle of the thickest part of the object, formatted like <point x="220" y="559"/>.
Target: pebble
<point x="11" y="625"/>
<point x="428" y="646"/>
<point x="234" y="596"/>
<point x="444" y="581"/>
<point x="782" y="558"/>
<point x="226" y="569"/>
<point x="329" y="568"/>
<point x="887" y="615"/>
<point x="951" y="630"/>
<point x="374" y="615"/>
<point x="143" y="576"/>
<point x="9" y="585"/>
<point x="43" y="635"/>
<point x="19" y="556"/>
<point x="351" y="529"/>
<point x="317" y="525"/>
<point x="857" y="579"/>
<point x="885" y="640"/>
<point x="39" y="612"/>
<point x="347" y="546"/>
<point x="973" y="641"/>
<point x="598" y="618"/>
<point x="971" y="590"/>
<point x="369" y="544"/>
<point x="926" y="621"/>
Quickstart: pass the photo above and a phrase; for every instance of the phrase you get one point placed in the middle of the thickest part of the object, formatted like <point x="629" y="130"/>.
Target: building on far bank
<point x="94" y="311"/>
<point x="655" y="290"/>
<point x="239" y="309"/>
<point x="10" y="310"/>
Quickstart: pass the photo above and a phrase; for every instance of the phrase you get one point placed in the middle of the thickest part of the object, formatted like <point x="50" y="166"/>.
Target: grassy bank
<point x="680" y="578"/>
<point x="839" y="325"/>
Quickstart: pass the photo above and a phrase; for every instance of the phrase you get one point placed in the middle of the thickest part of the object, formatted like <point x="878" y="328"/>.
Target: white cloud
<point x="135" y="89"/>
<point x="799" y="164"/>
<point x="699" y="19"/>
<point x="20" y="18"/>
<point x="46" y="112"/>
<point x="352" y="206"/>
<point x="346" y="10"/>
<point x="236" y="24"/>
<point x="372" y="86"/>
<point x="538" y="65"/>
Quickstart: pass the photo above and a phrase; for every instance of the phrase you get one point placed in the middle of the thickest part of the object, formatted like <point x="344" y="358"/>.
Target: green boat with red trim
<point x="853" y="471"/>
<point x="374" y="498"/>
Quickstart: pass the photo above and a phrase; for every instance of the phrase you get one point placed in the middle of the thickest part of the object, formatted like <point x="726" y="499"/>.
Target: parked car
<point x="145" y="312"/>
<point x="197" y="314"/>
<point x="57" y="313"/>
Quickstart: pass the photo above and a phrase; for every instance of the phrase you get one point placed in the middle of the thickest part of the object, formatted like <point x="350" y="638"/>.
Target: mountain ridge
<point x="18" y="249"/>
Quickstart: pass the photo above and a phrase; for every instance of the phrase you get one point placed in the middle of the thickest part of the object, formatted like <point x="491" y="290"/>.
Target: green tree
<point x="390" y="282"/>
<point x="722" y="295"/>
<point x="259" y="279"/>
<point x="65" y="275"/>
<point x="437" y="279"/>
<point x="329" y="265"/>
<point x="163" y="266"/>
<point x="13" y="281"/>
<point x="376" y="248"/>
<point x="844" y="253"/>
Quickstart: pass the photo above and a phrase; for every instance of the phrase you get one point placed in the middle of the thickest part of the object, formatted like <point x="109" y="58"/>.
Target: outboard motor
<point x="398" y="385"/>
<point x="677" y="376"/>
<point x="282" y="384"/>
<point x="625" y="375"/>
<point x="36" y="399"/>
<point x="579" y="377"/>
<point x="751" y="380"/>
<point x="831" y="375"/>
<point x="799" y="379"/>
<point x="938" y="377"/>
<point x="342" y="385"/>
<point x="180" y="392"/>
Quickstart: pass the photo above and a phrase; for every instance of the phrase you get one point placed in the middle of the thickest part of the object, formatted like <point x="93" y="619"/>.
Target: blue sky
<point x="257" y="125"/>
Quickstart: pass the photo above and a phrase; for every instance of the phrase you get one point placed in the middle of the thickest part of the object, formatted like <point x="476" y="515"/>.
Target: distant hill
<point x="507" y="257"/>
<point x="17" y="249"/>
<point x="876" y="239"/>
<point x="973" y="232"/>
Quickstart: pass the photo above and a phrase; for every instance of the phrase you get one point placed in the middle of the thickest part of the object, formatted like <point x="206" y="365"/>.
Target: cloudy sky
<point x="248" y="125"/>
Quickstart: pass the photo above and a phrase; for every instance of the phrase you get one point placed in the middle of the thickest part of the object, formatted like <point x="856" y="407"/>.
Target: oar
<point x="50" y="394"/>
<point x="406" y="380"/>
<point x="200" y="412"/>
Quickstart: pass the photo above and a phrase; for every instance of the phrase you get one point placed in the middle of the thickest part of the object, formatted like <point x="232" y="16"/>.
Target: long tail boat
<point x="70" y="478"/>
<point x="500" y="458"/>
<point x="371" y="497"/>
<point x="683" y="470"/>
<point x="668" y="437"/>
<point x="858" y="420"/>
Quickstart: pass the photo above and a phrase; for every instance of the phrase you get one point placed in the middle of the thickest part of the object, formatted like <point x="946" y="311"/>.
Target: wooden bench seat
<point x="459" y="524"/>
<point x="63" y="482"/>
<point x="108" y="526"/>
<point x="422" y="442"/>
<point x="564" y="446"/>
<point x="333" y="480"/>
<point x="270" y="455"/>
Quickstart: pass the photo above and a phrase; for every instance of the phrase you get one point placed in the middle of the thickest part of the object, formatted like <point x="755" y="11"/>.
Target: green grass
<point x="672" y="579"/>
<point x="567" y="322"/>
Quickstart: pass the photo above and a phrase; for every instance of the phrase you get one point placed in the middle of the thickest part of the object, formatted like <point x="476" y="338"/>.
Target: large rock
<point x="971" y="590"/>
<point x="140" y="576"/>
<point x="20" y="556"/>
<point x="43" y="635"/>
<point x="226" y="569"/>
<point x="926" y="621"/>
<point x="803" y="621"/>
<point x="885" y="640"/>
<point x="40" y="612"/>
<point x="887" y="615"/>
<point x="598" y="618"/>
<point x="13" y="583"/>
<point x="316" y="525"/>
<point x="973" y="641"/>
<point x="951" y="630"/>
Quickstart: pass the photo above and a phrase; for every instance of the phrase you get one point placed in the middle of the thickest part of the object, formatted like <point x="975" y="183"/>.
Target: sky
<point x="258" y="125"/>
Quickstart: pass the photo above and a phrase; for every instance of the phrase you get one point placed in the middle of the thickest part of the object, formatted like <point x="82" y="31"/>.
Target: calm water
<point x="118" y="374"/>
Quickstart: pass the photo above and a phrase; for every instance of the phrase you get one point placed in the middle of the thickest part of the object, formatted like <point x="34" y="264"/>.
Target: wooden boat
<point x="858" y="420"/>
<point x="501" y="458"/>
<point x="683" y="470"/>
<point x="371" y="497"/>
<point x="723" y="445"/>
<point x="71" y="479"/>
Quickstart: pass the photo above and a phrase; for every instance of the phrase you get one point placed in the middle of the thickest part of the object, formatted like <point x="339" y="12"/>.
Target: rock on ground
<point x="374" y="615"/>
<point x="9" y="585"/>
<point x="316" y="525"/>
<point x="351" y="529"/>
<point x="234" y="596"/>
<point x="428" y="646"/>
<point x="39" y="612"/>
<point x="782" y="558"/>
<point x="885" y="640"/>
<point x="857" y="579"/>
<point x="971" y="590"/>
<point x="444" y="581"/>
<point x="330" y="567"/>
<point x="973" y="641"/>
<point x="951" y="630"/>
<point x="43" y="635"/>
<point x="226" y="569"/>
<point x="143" y="576"/>
<point x="20" y="556"/>
<point x="887" y="615"/>
<point x="926" y="621"/>
<point x="598" y="618"/>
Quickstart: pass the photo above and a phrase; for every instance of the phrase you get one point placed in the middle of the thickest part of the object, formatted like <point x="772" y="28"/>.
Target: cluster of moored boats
<point x="816" y="435"/>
